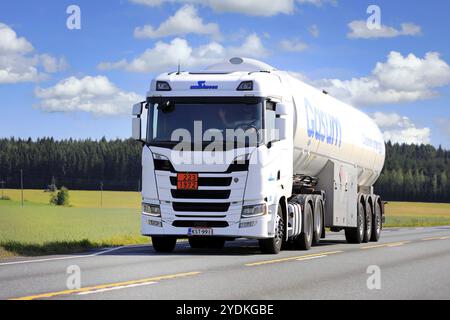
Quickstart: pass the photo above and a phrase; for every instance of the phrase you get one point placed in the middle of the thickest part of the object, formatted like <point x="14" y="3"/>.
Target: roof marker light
<point x="246" y="86"/>
<point x="163" y="86"/>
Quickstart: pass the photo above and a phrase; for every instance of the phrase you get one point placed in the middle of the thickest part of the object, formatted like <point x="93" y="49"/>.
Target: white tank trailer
<point x="317" y="171"/>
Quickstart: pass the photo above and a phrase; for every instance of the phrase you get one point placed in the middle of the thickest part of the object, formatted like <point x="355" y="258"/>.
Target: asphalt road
<point x="409" y="264"/>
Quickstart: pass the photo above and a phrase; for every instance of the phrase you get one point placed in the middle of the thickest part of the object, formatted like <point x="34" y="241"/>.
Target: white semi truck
<point x="307" y="161"/>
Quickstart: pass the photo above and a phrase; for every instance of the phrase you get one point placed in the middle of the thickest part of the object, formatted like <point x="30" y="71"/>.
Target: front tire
<point x="164" y="244"/>
<point x="273" y="245"/>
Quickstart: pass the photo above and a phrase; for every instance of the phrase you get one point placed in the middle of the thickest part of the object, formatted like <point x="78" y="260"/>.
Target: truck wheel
<point x="304" y="240"/>
<point x="376" y="225"/>
<point x="368" y="226"/>
<point x="356" y="235"/>
<point x="318" y="222"/>
<point x="164" y="244"/>
<point x="273" y="245"/>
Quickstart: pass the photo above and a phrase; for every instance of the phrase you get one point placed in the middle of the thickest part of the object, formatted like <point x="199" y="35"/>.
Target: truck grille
<point x="200" y="207"/>
<point x="201" y="194"/>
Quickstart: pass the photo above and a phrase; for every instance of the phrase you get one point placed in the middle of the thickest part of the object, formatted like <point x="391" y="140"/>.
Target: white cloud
<point x="314" y="30"/>
<point x="52" y="64"/>
<point x="249" y="7"/>
<point x="186" y="20"/>
<point x="294" y="45"/>
<point x="10" y="43"/>
<point x="400" y="129"/>
<point x="19" y="64"/>
<point x="166" y="56"/>
<point x="95" y="95"/>
<point x="318" y="3"/>
<point x="400" y="79"/>
<point x="359" y="30"/>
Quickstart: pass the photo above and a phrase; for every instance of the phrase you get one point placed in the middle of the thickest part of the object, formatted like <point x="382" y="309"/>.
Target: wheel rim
<point x="361" y="224"/>
<point x="378" y="223"/>
<point x="369" y="226"/>
<point x="319" y="222"/>
<point x="309" y="229"/>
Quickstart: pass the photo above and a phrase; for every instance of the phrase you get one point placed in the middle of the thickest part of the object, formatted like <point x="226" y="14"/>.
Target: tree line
<point x="415" y="173"/>
<point x="411" y="173"/>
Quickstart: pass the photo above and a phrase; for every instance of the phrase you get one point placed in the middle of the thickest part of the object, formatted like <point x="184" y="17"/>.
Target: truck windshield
<point x="170" y="122"/>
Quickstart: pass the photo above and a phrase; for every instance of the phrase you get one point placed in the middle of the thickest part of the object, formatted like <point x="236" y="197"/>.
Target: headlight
<point x="242" y="159"/>
<point x="160" y="157"/>
<point x="254" y="211"/>
<point x="151" y="210"/>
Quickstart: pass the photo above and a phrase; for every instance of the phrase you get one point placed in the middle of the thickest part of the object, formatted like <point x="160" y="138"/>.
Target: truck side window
<point x="270" y="122"/>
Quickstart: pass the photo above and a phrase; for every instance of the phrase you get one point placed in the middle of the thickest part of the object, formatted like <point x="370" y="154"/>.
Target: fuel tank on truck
<point x="328" y="129"/>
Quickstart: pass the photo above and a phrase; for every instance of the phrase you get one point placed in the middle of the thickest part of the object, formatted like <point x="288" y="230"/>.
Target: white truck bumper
<point x="251" y="228"/>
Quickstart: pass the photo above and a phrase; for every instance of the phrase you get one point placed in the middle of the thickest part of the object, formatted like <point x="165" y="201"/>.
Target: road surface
<point x="405" y="264"/>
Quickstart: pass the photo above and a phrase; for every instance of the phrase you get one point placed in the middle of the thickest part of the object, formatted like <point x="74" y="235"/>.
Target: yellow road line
<point x="431" y="239"/>
<point x="291" y="258"/>
<point x="107" y="286"/>
<point x="436" y="238"/>
<point x="384" y="245"/>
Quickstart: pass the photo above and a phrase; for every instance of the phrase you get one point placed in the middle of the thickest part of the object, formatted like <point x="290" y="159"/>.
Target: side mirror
<point x="136" y="129"/>
<point x="136" y="124"/>
<point x="281" y="126"/>
<point x="281" y="109"/>
<point x="137" y="109"/>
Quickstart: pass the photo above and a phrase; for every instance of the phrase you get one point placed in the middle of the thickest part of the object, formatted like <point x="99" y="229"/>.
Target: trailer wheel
<point x="318" y="222"/>
<point x="356" y="235"/>
<point x="376" y="225"/>
<point x="273" y="245"/>
<point x="164" y="244"/>
<point x="304" y="240"/>
<point x="369" y="222"/>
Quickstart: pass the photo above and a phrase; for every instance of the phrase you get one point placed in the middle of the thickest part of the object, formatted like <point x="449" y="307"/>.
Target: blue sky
<point x="81" y="83"/>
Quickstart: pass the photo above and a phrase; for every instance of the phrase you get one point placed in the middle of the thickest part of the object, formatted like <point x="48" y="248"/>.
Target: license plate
<point x="187" y="181"/>
<point x="200" y="231"/>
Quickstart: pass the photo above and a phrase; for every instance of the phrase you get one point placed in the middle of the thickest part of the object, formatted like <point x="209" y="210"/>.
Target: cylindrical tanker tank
<point x="328" y="129"/>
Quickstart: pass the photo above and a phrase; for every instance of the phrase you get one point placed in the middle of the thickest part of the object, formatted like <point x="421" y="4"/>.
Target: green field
<point x="39" y="228"/>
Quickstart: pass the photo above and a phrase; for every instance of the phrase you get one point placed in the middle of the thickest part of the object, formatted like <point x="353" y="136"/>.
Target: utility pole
<point x="101" y="194"/>
<point x="21" y="187"/>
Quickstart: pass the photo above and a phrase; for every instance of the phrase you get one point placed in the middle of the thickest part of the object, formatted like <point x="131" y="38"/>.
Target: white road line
<point x="117" y="288"/>
<point x="66" y="257"/>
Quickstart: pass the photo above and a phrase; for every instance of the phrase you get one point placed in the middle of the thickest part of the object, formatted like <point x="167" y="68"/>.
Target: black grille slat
<point x="201" y="194"/>
<point x="207" y="182"/>
<point x="200" y="207"/>
<point x="200" y="224"/>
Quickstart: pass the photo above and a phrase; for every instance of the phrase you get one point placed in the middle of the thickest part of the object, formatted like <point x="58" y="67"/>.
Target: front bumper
<point x="251" y="228"/>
